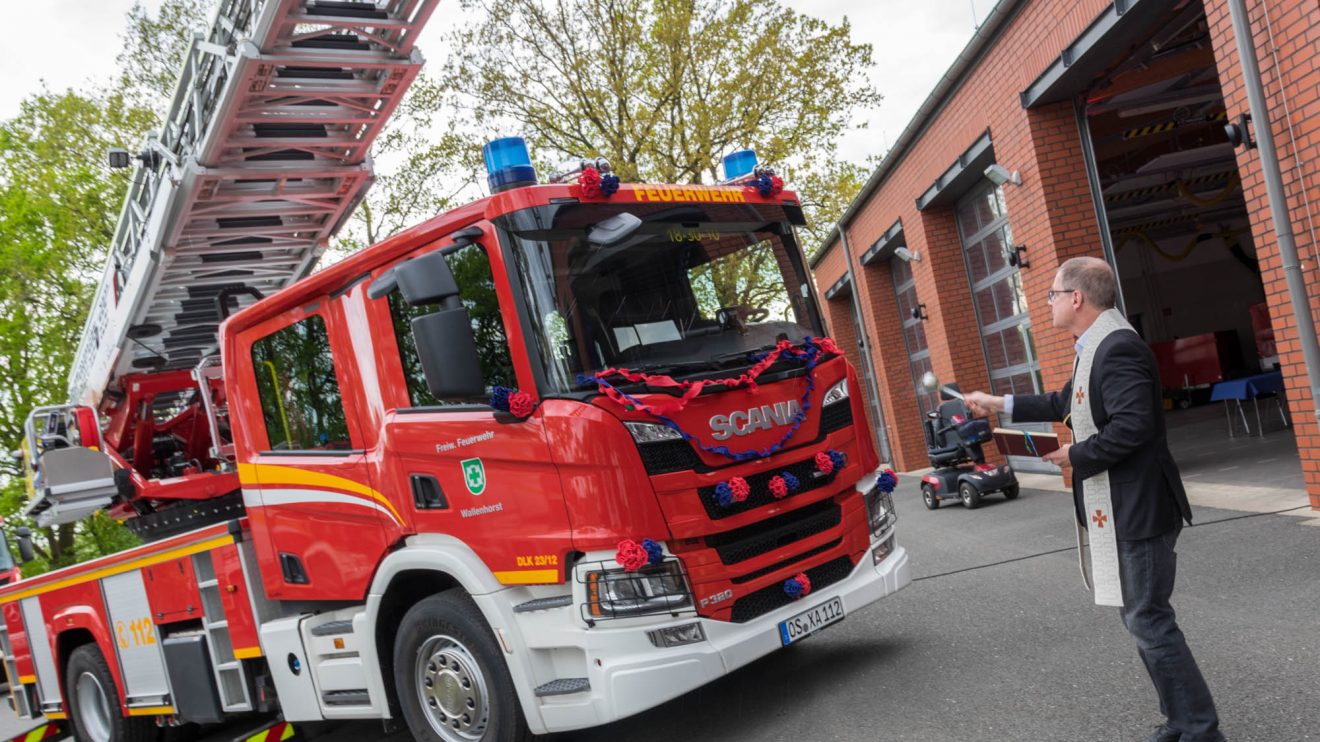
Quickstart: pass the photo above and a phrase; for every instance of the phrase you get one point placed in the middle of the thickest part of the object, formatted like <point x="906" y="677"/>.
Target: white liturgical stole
<point x="1100" y="571"/>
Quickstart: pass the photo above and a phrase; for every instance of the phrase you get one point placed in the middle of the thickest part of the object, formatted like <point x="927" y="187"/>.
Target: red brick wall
<point x="1052" y="212"/>
<point x="1287" y="35"/>
<point x="906" y="441"/>
<point x="989" y="98"/>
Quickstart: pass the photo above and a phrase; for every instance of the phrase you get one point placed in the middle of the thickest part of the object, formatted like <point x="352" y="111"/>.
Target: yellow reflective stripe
<point x="288" y="732"/>
<point x="117" y="569"/>
<point x="151" y="711"/>
<point x="527" y="576"/>
<point x="27" y="679"/>
<point x="55" y="715"/>
<point x="269" y="475"/>
<point x="247" y="653"/>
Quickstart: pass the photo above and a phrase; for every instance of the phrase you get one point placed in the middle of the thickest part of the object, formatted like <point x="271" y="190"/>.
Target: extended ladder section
<point x="262" y="158"/>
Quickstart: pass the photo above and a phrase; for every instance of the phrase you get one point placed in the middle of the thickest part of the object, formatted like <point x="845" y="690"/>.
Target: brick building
<point x="1107" y="123"/>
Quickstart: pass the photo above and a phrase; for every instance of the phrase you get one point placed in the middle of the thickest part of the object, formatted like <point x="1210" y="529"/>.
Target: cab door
<point x="469" y="471"/>
<point x="309" y="490"/>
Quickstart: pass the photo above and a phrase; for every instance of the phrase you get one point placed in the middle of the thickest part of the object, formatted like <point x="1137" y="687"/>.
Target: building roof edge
<point x="986" y="34"/>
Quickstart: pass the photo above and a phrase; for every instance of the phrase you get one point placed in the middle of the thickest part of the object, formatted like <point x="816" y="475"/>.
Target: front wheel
<point x="452" y="683"/>
<point x="928" y="497"/>
<point x="94" y="702"/>
<point x="971" y="499"/>
<point x="1011" y="492"/>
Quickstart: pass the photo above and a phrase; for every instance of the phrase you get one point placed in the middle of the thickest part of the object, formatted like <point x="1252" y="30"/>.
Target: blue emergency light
<point x="740" y="163"/>
<point x="508" y="165"/>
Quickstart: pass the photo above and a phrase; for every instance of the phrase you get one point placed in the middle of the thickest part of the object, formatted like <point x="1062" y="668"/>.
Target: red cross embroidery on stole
<point x="1081" y="394"/>
<point x="1099" y="518"/>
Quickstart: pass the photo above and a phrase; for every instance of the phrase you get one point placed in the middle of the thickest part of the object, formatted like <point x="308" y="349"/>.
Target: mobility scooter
<point x="953" y="444"/>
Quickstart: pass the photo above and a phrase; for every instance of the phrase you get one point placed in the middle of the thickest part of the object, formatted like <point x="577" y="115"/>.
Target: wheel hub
<point x="452" y="690"/>
<point x="93" y="707"/>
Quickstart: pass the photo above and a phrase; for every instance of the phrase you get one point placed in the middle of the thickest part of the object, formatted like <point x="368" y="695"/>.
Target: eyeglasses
<point x="1054" y="293"/>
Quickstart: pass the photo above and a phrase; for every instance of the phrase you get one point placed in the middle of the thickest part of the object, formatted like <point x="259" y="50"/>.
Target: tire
<point x="928" y="497"/>
<point x="971" y="499"/>
<point x="445" y="640"/>
<point x="93" y="702"/>
<point x="1011" y="492"/>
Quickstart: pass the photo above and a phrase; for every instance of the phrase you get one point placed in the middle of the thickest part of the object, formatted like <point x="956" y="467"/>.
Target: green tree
<point x="423" y="164"/>
<point x="153" y="51"/>
<point x="665" y="88"/>
<point x="58" y="208"/>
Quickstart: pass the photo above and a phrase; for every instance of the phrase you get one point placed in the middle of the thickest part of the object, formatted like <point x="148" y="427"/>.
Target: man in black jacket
<point x="1123" y="398"/>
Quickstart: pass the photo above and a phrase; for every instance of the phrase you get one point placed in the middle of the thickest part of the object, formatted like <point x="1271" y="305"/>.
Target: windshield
<point x="696" y="287"/>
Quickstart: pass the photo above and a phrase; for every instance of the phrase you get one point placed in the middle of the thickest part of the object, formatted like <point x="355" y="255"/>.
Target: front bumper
<point x="628" y="674"/>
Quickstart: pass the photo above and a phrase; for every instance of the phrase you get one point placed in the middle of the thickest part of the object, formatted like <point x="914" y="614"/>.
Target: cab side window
<point x="300" y="398"/>
<point x="476" y="286"/>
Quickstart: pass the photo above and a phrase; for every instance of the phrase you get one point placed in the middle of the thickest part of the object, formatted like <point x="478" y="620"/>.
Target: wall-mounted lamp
<point x="906" y="255"/>
<point x="1018" y="258"/>
<point x="1239" y="134"/>
<point x="999" y="175"/>
<point x="919" y="312"/>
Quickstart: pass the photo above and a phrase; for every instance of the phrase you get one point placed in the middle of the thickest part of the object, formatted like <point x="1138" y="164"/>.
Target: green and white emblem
<point x="474" y="475"/>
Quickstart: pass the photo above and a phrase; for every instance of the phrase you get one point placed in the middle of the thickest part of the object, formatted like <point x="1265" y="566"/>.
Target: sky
<point x="74" y="42"/>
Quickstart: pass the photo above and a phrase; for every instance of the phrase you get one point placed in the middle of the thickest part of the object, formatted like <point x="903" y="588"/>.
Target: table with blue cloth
<point x="1233" y="391"/>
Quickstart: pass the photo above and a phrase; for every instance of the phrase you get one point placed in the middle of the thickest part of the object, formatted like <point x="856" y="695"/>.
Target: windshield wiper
<point x="667" y="368"/>
<point x="744" y="355"/>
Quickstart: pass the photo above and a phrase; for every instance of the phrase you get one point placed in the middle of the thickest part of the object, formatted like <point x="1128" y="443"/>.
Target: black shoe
<point x="1163" y="734"/>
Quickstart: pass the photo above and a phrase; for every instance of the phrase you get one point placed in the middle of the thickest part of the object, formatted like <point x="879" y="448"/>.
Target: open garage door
<point x="1182" y="244"/>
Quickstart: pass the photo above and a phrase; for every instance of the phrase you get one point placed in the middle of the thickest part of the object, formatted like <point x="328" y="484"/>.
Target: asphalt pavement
<point x="996" y="639"/>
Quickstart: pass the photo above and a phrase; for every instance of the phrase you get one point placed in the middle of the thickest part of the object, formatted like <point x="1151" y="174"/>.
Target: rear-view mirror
<point x="448" y="353"/>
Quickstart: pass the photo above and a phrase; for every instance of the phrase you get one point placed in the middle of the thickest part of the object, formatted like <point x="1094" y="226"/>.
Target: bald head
<point x="1093" y="278"/>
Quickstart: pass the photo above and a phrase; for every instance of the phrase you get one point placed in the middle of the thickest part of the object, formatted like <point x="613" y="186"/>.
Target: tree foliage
<point x="665" y="88"/>
<point x="59" y="204"/>
<point x="154" y="48"/>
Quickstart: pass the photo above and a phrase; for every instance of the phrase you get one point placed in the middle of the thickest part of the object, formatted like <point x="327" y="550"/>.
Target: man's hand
<point x="981" y="404"/>
<point x="1059" y="457"/>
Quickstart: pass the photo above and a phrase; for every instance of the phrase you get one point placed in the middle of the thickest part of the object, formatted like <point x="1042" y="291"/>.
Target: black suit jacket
<point x="1127" y="406"/>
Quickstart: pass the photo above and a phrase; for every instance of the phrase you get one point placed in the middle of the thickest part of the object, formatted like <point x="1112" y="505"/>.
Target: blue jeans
<point x="1148" y="567"/>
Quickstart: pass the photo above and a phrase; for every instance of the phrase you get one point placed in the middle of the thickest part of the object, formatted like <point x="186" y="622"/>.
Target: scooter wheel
<point x="971" y="499"/>
<point x="1011" y="493"/>
<point x="928" y="497"/>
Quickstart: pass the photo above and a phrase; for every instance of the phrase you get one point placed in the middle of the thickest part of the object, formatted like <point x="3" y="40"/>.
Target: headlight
<point x="614" y="593"/>
<point x="836" y="393"/>
<point x="880" y="507"/>
<point x="652" y="433"/>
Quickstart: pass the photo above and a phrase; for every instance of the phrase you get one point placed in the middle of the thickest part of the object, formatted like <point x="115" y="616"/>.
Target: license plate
<point x="810" y="621"/>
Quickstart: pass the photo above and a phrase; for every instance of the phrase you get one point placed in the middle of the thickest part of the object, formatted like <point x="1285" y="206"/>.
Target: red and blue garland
<point x="809" y="354"/>
<point x="736" y="490"/>
<point x="887" y="481"/>
<point x="595" y="184"/>
<point x="798" y="586"/>
<point x="516" y="403"/>
<point x="768" y="184"/>
<point x="632" y="556"/>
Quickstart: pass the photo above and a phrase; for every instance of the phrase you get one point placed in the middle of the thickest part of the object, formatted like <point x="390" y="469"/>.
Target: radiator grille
<point x="668" y="456"/>
<point x="760" y="538"/>
<point x="806" y="474"/>
<point x="773" y="596"/>
<point x="835" y="417"/>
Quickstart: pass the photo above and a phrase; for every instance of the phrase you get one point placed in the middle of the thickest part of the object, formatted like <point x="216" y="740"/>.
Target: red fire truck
<point x="536" y="464"/>
<point x="607" y="533"/>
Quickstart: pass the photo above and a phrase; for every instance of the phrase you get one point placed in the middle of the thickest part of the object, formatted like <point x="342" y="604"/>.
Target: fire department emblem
<point x="474" y="476"/>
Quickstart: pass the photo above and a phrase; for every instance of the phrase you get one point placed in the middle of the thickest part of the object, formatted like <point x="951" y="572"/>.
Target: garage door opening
<point x="1187" y="266"/>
